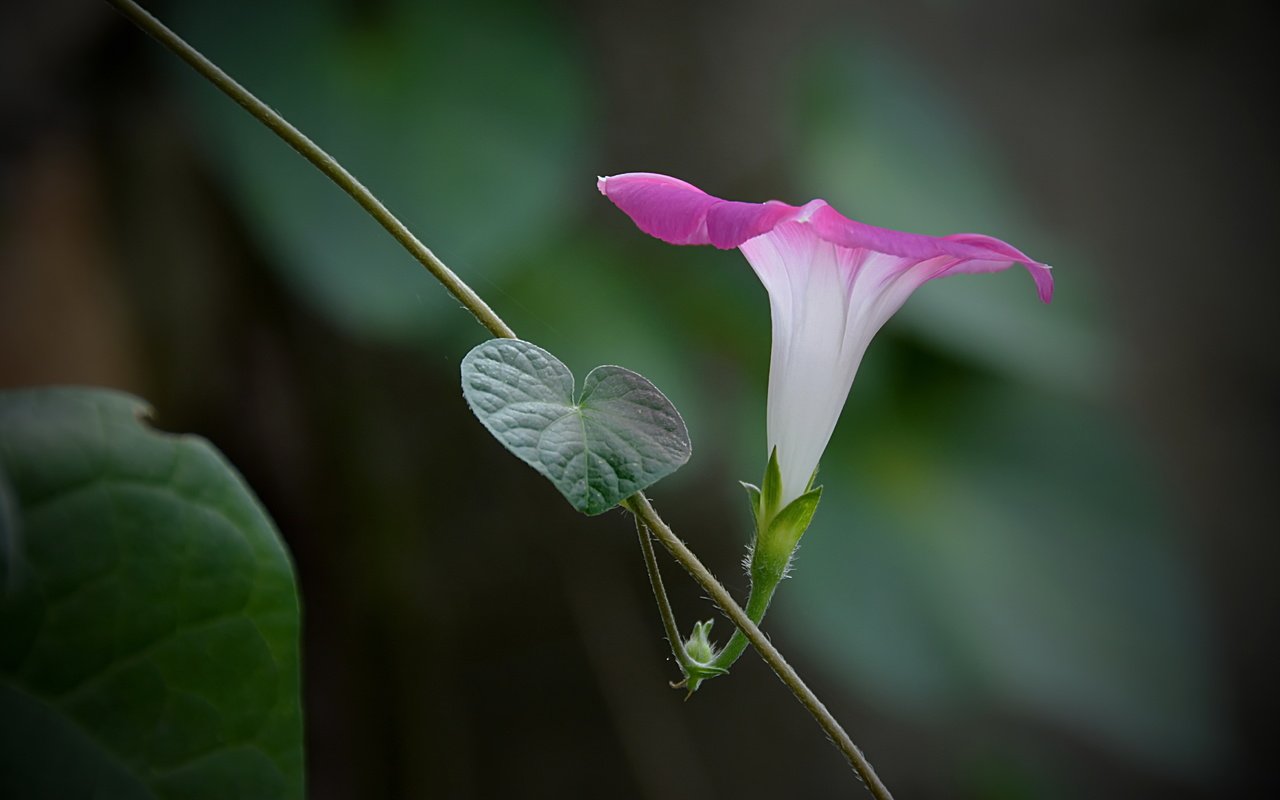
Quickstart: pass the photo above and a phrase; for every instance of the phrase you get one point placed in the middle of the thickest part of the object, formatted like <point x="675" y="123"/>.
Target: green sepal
<point x="778" y="529"/>
<point x="812" y="477"/>
<point x="697" y="673"/>
<point x="703" y="671"/>
<point x="770" y="489"/>
<point x="792" y="521"/>
<point x="778" y="539"/>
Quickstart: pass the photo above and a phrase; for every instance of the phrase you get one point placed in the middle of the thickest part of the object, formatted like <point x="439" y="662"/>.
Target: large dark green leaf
<point x="619" y="437"/>
<point x="149" y="613"/>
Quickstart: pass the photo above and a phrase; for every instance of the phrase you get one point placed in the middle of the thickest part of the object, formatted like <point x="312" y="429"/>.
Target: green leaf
<point x="619" y="437"/>
<point x="150" y="618"/>
<point x="469" y="120"/>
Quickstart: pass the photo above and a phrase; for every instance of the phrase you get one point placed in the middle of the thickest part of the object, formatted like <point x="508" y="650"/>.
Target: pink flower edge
<point x="680" y="213"/>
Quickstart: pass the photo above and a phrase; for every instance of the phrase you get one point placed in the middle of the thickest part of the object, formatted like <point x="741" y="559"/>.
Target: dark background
<point x="1045" y="562"/>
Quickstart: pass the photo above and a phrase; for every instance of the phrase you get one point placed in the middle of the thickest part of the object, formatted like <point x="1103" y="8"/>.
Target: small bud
<point x="699" y="647"/>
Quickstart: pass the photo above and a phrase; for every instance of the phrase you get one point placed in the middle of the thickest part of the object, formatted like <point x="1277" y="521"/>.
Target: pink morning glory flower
<point x="832" y="283"/>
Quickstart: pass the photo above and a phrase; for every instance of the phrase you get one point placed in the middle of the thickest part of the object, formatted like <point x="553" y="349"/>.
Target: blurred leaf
<point x="150" y="641"/>
<point x="468" y="120"/>
<point x="1021" y="560"/>
<point x="621" y="436"/>
<point x="885" y="146"/>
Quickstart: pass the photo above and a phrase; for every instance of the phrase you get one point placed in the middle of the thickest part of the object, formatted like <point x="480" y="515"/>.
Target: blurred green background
<point x="1043" y="567"/>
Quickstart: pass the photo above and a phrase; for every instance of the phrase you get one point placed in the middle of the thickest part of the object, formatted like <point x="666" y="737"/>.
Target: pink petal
<point x="1042" y="274"/>
<point x="679" y="213"/>
<point x="665" y="208"/>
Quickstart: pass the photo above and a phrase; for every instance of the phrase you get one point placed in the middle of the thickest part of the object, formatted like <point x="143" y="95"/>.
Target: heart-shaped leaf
<point x="619" y="437"/>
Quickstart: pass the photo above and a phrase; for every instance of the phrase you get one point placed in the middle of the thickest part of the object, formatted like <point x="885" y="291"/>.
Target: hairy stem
<point x="638" y="504"/>
<point x="757" y="604"/>
<point x="660" y="592"/>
